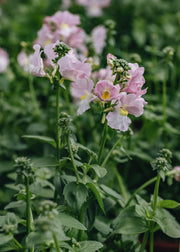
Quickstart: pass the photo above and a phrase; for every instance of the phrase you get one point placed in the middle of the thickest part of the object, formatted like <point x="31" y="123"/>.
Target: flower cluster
<point x="119" y="92"/>
<point x="93" y="7"/>
<point x="62" y="27"/>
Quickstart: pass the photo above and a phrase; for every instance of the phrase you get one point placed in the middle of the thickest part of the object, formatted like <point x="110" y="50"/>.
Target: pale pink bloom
<point x="45" y="36"/>
<point x="94" y="7"/>
<point x="36" y="62"/>
<point x="106" y="91"/>
<point x="127" y="104"/>
<point x="134" y="85"/>
<point x="71" y="68"/>
<point x="24" y="61"/>
<point x="61" y="26"/>
<point x="99" y="38"/>
<point x="50" y="54"/>
<point x="63" y="17"/>
<point x="82" y="89"/>
<point x="4" y="60"/>
<point x="177" y="176"/>
<point x="104" y="74"/>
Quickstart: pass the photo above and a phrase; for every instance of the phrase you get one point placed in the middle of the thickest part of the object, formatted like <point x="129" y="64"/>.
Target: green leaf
<point x="42" y="139"/>
<point x="5" y="238"/>
<point x="97" y="195"/>
<point x="90" y="246"/>
<point x="170" y="129"/>
<point x="100" y="171"/>
<point x="71" y="222"/>
<point x="129" y="223"/>
<point x="90" y="152"/>
<point x="167" y="223"/>
<point x="102" y="226"/>
<point x="75" y="195"/>
<point x="113" y="194"/>
<point x="16" y="204"/>
<point x="168" y="204"/>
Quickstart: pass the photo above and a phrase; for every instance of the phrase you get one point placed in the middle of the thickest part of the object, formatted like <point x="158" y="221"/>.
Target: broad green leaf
<point x="113" y="194"/>
<point x="167" y="223"/>
<point x="90" y="152"/>
<point x="170" y="129"/>
<point x="5" y="238"/>
<point x="42" y="139"/>
<point x="71" y="222"/>
<point x="97" y="195"/>
<point x="89" y="246"/>
<point x="75" y="195"/>
<point x="16" y="204"/>
<point x="129" y="223"/>
<point x="168" y="204"/>
<point x="100" y="171"/>
<point x="102" y="226"/>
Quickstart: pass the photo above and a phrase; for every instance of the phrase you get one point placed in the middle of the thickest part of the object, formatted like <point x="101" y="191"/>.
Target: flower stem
<point x="56" y="243"/>
<point x="103" y="141"/>
<point x="110" y="152"/>
<point x="147" y="183"/>
<point x="17" y="243"/>
<point x="33" y="96"/>
<point x="164" y="91"/>
<point x="28" y="210"/>
<point x="120" y="182"/>
<point x="144" y="241"/>
<point x="156" y="191"/>
<point x="151" y="248"/>
<point x="58" y="130"/>
<point x="72" y="159"/>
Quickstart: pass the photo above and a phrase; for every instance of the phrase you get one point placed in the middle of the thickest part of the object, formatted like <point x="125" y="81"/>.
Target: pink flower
<point x="71" y="68"/>
<point x="50" y="54"/>
<point x="106" y="91"/>
<point x="36" y="62"/>
<point x="99" y="38"/>
<point x="177" y="176"/>
<point x="24" y="61"/>
<point x="94" y="7"/>
<point x="61" y="26"/>
<point x="45" y="36"/>
<point x="4" y="60"/>
<point x="127" y="104"/>
<point x="134" y="85"/>
<point x="104" y="74"/>
<point x="82" y="89"/>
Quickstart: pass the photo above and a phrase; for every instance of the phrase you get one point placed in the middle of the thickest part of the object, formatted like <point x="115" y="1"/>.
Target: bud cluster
<point x="24" y="168"/>
<point x="61" y="50"/>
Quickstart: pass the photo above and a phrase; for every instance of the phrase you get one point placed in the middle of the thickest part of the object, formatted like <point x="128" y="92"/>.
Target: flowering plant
<point x="75" y="196"/>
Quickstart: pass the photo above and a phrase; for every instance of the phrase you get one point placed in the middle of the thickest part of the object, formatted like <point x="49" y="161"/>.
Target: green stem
<point x="147" y="183"/>
<point x="110" y="152"/>
<point x="117" y="78"/>
<point x="58" y="130"/>
<point x="72" y="159"/>
<point x="33" y="96"/>
<point x="164" y="103"/>
<point x="151" y="245"/>
<point x="28" y="208"/>
<point x="120" y="182"/>
<point x="156" y="191"/>
<point x="144" y="241"/>
<point x="103" y="141"/>
<point x="17" y="243"/>
<point x="56" y="243"/>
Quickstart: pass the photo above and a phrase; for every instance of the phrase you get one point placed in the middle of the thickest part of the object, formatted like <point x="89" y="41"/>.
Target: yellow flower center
<point x="123" y="112"/>
<point x="64" y="26"/>
<point x="47" y="42"/>
<point x="83" y="97"/>
<point x="106" y="94"/>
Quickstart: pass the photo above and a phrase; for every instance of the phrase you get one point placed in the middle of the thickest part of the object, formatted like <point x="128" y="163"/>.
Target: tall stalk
<point x="103" y="141"/>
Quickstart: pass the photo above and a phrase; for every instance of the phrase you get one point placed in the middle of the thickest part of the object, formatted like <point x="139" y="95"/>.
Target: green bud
<point x="61" y="50"/>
